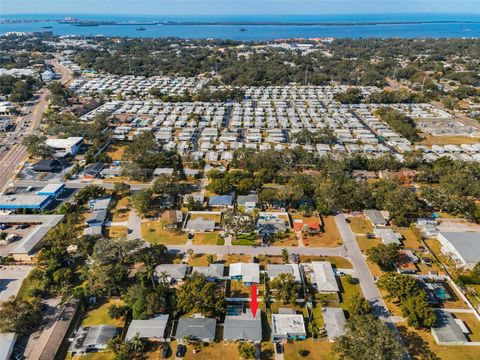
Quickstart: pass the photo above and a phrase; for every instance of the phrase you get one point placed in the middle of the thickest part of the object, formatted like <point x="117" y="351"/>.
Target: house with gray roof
<point x="203" y="329"/>
<point x="171" y="272"/>
<point x="213" y="272"/>
<point x="324" y="277"/>
<point x="334" y="320"/>
<point x="200" y="225"/>
<point x="223" y="201"/>
<point x="248" y="202"/>
<point x="447" y="331"/>
<point x="375" y="217"/>
<point x="243" y="327"/>
<point x="273" y="270"/>
<point x="388" y="236"/>
<point x="152" y="329"/>
<point x="97" y="218"/>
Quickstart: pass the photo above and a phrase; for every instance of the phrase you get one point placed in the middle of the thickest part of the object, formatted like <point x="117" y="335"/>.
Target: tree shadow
<point x="417" y="348"/>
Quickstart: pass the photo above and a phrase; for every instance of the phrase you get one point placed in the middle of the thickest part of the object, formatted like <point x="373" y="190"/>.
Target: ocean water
<point x="339" y="26"/>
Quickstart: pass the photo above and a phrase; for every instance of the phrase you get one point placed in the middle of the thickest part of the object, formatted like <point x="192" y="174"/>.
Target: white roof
<point x="250" y="272"/>
<point x="63" y="143"/>
<point x="7" y="341"/>
<point x="324" y="276"/>
<point x="285" y="324"/>
<point x="51" y="188"/>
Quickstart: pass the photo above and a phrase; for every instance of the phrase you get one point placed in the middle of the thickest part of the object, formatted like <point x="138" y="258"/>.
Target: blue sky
<point x="231" y="7"/>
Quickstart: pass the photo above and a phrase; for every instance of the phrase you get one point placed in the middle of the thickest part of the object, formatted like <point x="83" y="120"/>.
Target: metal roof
<point x="148" y="329"/>
<point x="199" y="328"/>
<point x="274" y="270"/>
<point x="250" y="272"/>
<point x="375" y="216"/>
<point x="324" y="276"/>
<point x="467" y="244"/>
<point x="243" y="327"/>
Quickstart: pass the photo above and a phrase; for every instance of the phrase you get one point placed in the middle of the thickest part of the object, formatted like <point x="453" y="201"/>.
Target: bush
<point x="303" y="352"/>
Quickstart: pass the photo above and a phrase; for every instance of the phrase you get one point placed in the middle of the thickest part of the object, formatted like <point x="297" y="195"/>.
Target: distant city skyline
<point x="240" y="7"/>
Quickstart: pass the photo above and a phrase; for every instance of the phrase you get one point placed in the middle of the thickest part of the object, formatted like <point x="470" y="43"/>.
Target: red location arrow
<point x="254" y="301"/>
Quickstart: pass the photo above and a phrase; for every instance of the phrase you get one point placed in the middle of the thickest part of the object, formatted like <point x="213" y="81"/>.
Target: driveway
<point x="135" y="225"/>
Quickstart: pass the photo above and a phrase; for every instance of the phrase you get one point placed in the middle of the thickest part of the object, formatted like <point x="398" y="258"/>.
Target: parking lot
<point x="11" y="278"/>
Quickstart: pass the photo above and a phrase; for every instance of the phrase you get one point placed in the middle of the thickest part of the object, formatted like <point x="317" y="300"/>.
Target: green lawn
<point x="245" y="239"/>
<point x="98" y="314"/>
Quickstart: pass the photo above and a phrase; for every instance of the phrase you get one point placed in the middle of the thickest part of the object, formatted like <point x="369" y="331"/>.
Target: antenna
<point x="306" y="76"/>
<point x="130" y="65"/>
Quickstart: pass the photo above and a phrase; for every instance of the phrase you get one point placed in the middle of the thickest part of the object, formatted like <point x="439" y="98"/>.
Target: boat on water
<point x="47" y="27"/>
<point x="243" y="30"/>
<point x="141" y="29"/>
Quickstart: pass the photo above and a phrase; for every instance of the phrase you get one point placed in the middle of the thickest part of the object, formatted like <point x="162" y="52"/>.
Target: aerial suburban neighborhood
<point x="212" y="199"/>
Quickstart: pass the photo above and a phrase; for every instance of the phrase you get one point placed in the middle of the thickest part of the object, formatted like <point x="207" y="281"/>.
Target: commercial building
<point x="53" y="190"/>
<point x="24" y="201"/>
<point x="463" y="247"/>
<point x="7" y="343"/>
<point x="65" y="147"/>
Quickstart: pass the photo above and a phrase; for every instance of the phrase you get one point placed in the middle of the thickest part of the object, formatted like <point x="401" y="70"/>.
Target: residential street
<point x="254" y="251"/>
<point x="362" y="272"/>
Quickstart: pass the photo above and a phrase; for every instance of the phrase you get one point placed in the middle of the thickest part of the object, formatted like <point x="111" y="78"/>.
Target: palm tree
<point x="190" y="252"/>
<point x="285" y="255"/>
<point x="137" y="344"/>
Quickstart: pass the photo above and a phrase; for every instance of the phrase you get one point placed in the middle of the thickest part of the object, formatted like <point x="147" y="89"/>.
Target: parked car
<point x="278" y="348"/>
<point x="4" y="226"/>
<point x="181" y="350"/>
<point x="166" y="351"/>
<point x="21" y="226"/>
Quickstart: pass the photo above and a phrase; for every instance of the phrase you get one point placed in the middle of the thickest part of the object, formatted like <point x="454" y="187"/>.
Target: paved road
<point x="367" y="283"/>
<point x="17" y="153"/>
<point x="78" y="184"/>
<point x="254" y="251"/>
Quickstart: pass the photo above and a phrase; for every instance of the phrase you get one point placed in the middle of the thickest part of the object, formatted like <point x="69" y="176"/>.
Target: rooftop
<point x="243" y="326"/>
<point x="199" y="328"/>
<point x="324" y="276"/>
<point x="285" y="324"/>
<point x="148" y="329"/>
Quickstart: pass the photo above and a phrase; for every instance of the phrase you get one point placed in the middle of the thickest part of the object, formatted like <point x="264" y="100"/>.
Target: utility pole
<point x="306" y="76"/>
<point x="423" y="83"/>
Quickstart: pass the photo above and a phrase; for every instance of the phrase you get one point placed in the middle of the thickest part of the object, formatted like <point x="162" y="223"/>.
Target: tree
<point x="210" y="258"/>
<point x="235" y="223"/>
<point x="21" y="91"/>
<point x="246" y="350"/>
<point x="19" y="316"/>
<point x="142" y="201"/>
<point x="359" y="306"/>
<point x="399" y="286"/>
<point x="417" y="311"/>
<point x="121" y="188"/>
<point x="285" y="288"/>
<point x="383" y="255"/>
<point x="36" y="146"/>
<point x="117" y="312"/>
<point x="285" y="256"/>
<point x="368" y="338"/>
<point x="197" y="294"/>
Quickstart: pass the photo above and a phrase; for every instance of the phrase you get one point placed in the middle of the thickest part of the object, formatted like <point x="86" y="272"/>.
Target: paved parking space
<point x="11" y="278"/>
